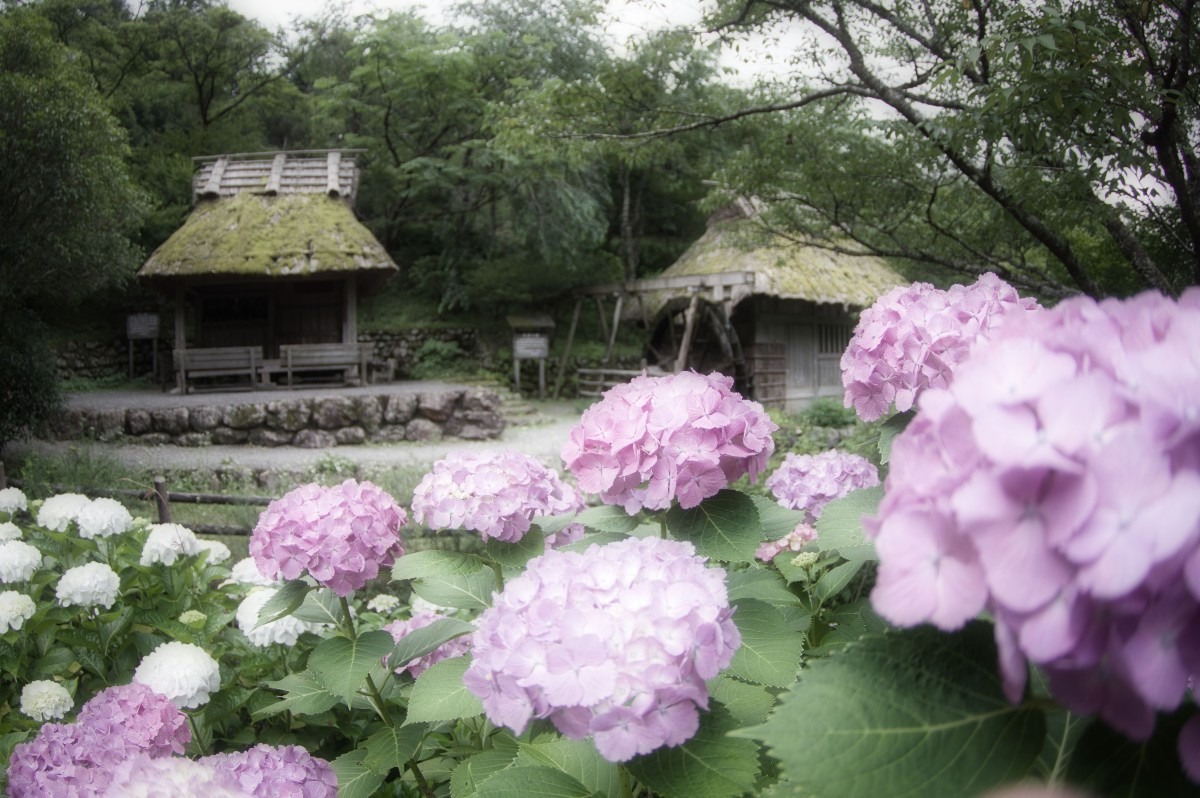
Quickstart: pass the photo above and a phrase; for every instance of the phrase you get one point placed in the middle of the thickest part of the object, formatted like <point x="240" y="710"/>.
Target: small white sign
<point x="531" y="345"/>
<point x="140" y="326"/>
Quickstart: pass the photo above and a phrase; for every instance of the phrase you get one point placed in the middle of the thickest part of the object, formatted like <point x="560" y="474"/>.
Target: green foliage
<point x="29" y="389"/>
<point x="828" y="412"/>
<point x="440" y="360"/>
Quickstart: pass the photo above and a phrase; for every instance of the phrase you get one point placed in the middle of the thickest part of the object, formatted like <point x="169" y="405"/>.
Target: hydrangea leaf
<point x="439" y="694"/>
<point x="1106" y="763"/>
<point x="607" y="518"/>
<point x="710" y="765"/>
<point x="471" y="772"/>
<point x="355" y="779"/>
<point x="420" y="642"/>
<point x="466" y="591"/>
<point x="392" y="747"/>
<point x="286" y="600"/>
<point x="578" y="759"/>
<point x="761" y="584"/>
<point x="749" y="704"/>
<point x="320" y="606"/>
<point x="421" y="564"/>
<point x="303" y="695"/>
<point x="776" y="519"/>
<point x="515" y="555"/>
<point x="888" y="432"/>
<point x="912" y="714"/>
<point x="840" y="525"/>
<point x="771" y="650"/>
<point x="849" y="622"/>
<point x="532" y="781"/>
<point x="341" y="664"/>
<point x="835" y="580"/>
<point x="549" y="524"/>
<point x="724" y="527"/>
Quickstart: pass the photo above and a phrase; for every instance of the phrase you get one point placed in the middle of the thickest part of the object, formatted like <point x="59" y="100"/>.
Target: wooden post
<point x="276" y="176"/>
<point x="600" y="313"/>
<point x="562" y="363"/>
<point x="616" y="325"/>
<point x="160" y="499"/>
<point x="689" y="329"/>
<point x="3" y="479"/>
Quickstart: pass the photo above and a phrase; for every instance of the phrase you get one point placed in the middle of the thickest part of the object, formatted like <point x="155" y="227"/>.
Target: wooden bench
<point x="322" y="360"/>
<point x="218" y="361"/>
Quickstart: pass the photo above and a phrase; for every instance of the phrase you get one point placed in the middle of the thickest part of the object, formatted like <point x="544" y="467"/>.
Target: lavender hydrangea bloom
<point x="171" y="777"/>
<point x="913" y="337"/>
<point x="339" y="536"/>
<point x="615" y="643"/>
<point x="657" y="439"/>
<point x="448" y="650"/>
<point x="497" y="494"/>
<point x="143" y="720"/>
<point x="1056" y="485"/>
<point x="266" y="771"/>
<point x="793" y="541"/>
<point x="57" y="762"/>
<point x="808" y="482"/>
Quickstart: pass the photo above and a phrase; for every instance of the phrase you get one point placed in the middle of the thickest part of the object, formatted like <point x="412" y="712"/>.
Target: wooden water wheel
<point x="696" y="334"/>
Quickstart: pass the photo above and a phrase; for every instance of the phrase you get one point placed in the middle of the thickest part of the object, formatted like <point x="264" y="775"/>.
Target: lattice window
<point x="832" y="339"/>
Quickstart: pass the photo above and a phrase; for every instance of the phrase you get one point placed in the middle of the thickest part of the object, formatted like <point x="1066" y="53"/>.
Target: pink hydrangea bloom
<point x="78" y="759"/>
<point x="913" y="337"/>
<point x="793" y="541"/>
<point x="267" y="771"/>
<point x="339" y="536"/>
<point x="453" y="648"/>
<point x="615" y="643"/>
<point x="144" y="720"/>
<point x="497" y="494"/>
<point x="1056" y="485"/>
<point x="808" y="482"/>
<point x="655" y="440"/>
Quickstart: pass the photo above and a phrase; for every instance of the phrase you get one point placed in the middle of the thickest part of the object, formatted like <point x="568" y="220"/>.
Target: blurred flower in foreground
<point x="171" y="777"/>
<point x="1055" y="484"/>
<point x="655" y="440"/>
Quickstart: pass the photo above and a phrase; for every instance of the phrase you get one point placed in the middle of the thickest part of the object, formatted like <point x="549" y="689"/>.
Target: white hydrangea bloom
<point x="15" y="609"/>
<point x="419" y="606"/>
<point x="103" y="518"/>
<point x="167" y="543"/>
<point x="218" y="552"/>
<point x="12" y="501"/>
<point x="245" y="572"/>
<point x="93" y="584"/>
<point x="57" y="512"/>
<point x="383" y="603"/>
<point x="45" y="700"/>
<point x="9" y="531"/>
<point x="144" y="776"/>
<point x="18" y="561"/>
<point x="284" y="630"/>
<point x="182" y="672"/>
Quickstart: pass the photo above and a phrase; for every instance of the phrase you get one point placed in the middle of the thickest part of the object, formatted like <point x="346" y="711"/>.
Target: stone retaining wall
<point x="307" y="422"/>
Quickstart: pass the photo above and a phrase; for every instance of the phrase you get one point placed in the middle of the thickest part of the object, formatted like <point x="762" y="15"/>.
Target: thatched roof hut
<point x="774" y="314"/>
<point x="272" y="254"/>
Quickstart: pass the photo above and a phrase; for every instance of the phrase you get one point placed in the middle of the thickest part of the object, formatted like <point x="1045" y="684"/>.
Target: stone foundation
<point x="316" y="422"/>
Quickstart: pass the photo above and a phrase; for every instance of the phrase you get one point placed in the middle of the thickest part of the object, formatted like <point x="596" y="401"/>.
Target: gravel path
<point x="542" y="437"/>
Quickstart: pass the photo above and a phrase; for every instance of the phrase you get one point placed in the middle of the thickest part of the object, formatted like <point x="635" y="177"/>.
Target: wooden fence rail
<point x="162" y="500"/>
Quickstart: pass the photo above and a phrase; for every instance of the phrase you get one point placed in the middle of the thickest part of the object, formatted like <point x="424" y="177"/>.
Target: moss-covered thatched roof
<point x="782" y="268"/>
<point x="253" y="235"/>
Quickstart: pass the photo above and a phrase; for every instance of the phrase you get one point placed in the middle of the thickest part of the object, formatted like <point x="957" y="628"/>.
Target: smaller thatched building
<point x="271" y="257"/>
<point x="773" y="314"/>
